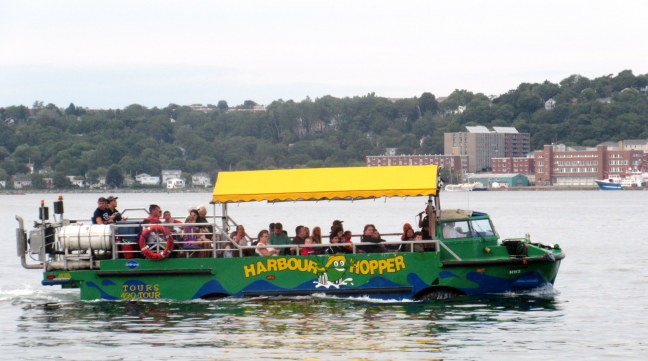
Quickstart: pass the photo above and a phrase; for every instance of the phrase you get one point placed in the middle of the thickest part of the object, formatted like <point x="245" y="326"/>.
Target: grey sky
<point x="115" y="53"/>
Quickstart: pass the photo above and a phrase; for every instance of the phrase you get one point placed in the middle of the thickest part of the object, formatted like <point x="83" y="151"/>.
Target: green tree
<point x="249" y="104"/>
<point x="3" y="174"/>
<point x="222" y="106"/>
<point x="428" y="103"/>
<point x="92" y="177"/>
<point x="37" y="181"/>
<point x="61" y="181"/>
<point x="114" y="177"/>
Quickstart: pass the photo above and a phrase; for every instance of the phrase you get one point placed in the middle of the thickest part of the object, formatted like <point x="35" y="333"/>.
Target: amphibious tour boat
<point x="138" y="260"/>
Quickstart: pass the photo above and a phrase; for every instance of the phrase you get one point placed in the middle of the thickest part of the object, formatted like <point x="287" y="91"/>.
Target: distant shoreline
<point x="209" y="190"/>
<point x="108" y="191"/>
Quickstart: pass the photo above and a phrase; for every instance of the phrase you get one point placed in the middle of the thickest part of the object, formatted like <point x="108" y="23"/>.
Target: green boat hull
<point x="396" y="276"/>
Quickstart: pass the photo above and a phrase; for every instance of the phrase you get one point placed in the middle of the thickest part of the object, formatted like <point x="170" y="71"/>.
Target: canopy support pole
<point x="224" y="216"/>
<point x="432" y="216"/>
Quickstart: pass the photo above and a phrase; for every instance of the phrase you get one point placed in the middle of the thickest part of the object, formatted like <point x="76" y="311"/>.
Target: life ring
<point x="152" y="240"/>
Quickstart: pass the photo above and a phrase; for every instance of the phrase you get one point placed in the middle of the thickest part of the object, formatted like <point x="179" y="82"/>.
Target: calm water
<point x="597" y="310"/>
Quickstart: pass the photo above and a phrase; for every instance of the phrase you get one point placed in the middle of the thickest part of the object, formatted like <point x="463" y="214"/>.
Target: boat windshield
<point x="482" y="228"/>
<point x="467" y="229"/>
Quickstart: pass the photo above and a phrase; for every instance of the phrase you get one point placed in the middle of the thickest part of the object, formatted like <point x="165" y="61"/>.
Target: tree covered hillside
<point x="327" y="131"/>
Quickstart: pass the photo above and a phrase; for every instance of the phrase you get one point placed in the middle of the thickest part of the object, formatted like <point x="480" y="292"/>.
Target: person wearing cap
<point x="336" y="228"/>
<point x="113" y="213"/>
<point x="97" y="216"/>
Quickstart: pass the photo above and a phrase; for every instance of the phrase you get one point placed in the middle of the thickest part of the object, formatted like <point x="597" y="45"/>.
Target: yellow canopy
<point x="325" y="183"/>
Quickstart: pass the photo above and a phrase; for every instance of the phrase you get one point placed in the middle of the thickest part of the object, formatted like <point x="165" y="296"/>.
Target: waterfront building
<point x="147" y="180"/>
<point x="169" y="174"/>
<point x="456" y="162"/>
<point x="498" y="180"/>
<point x="521" y="165"/>
<point x="200" y="179"/>
<point x="480" y="145"/>
<point x="21" y="182"/>
<point x="561" y="165"/>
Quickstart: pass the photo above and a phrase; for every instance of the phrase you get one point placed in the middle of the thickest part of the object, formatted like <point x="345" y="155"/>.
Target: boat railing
<point x="69" y="244"/>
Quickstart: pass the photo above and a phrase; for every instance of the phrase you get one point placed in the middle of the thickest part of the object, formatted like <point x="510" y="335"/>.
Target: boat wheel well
<point x="438" y="293"/>
<point x="214" y="296"/>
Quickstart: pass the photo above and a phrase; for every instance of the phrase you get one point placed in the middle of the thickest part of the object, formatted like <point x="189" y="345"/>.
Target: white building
<point x="550" y="104"/>
<point x="147" y="180"/>
<point x="201" y="179"/>
<point x="170" y="173"/>
<point x="76" y="181"/>
<point x="22" y="182"/>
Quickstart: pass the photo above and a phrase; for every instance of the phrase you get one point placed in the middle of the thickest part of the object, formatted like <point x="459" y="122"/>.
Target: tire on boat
<point x="156" y="242"/>
<point x="438" y="293"/>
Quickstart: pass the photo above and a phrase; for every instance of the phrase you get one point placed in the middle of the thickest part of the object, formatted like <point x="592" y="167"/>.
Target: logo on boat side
<point x="139" y="290"/>
<point x="332" y="271"/>
<point x="132" y="264"/>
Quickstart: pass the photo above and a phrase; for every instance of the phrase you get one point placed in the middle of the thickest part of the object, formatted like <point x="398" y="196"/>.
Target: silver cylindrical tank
<point x="90" y="236"/>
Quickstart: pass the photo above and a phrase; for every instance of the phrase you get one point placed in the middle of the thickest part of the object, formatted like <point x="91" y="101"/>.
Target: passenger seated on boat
<point x="230" y="249"/>
<point x="155" y="212"/>
<point x="307" y="251"/>
<point x="280" y="238"/>
<point x="115" y="215"/>
<point x="242" y="242"/>
<point x="240" y="230"/>
<point x="98" y="215"/>
<point x="416" y="236"/>
<point x="334" y="248"/>
<point x="205" y="242"/>
<point x="202" y="214"/>
<point x="336" y="227"/>
<point x="371" y="235"/>
<point x="300" y="236"/>
<point x="263" y="245"/>
<point x="166" y="218"/>
<point x="190" y="233"/>
<point x="346" y="238"/>
<point x="317" y="235"/>
<point x="408" y="235"/>
<point x="112" y="213"/>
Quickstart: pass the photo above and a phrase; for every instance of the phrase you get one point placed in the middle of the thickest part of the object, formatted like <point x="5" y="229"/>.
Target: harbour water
<point x="597" y="310"/>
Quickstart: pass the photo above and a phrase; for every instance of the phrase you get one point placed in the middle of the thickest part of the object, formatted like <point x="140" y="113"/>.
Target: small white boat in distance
<point x="464" y="187"/>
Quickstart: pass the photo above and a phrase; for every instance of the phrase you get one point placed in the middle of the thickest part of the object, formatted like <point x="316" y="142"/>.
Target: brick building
<point x="559" y="165"/>
<point x="455" y="162"/>
<point x="521" y="165"/>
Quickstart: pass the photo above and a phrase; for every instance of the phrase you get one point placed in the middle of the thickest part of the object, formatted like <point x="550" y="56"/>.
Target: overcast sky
<point x="109" y="54"/>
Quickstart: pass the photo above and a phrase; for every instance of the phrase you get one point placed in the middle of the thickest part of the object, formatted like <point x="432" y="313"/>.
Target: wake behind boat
<point x="463" y="254"/>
